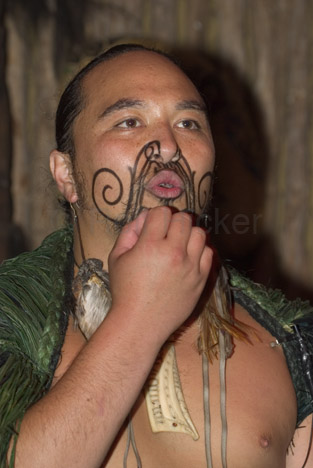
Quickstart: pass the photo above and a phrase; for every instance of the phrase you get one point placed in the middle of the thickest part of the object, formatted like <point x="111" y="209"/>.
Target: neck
<point x="93" y="240"/>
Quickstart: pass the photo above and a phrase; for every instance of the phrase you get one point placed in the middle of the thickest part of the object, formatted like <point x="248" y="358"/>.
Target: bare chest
<point x="260" y="405"/>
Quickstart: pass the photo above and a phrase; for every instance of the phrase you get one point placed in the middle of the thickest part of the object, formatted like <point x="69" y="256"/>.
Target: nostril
<point x="170" y="154"/>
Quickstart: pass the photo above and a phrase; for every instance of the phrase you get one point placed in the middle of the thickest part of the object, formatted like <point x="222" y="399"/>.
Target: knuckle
<point x="182" y="218"/>
<point x="160" y="211"/>
<point x="177" y="256"/>
<point x="198" y="231"/>
<point x="182" y="215"/>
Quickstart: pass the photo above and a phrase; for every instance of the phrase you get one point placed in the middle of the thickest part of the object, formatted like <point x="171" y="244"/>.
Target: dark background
<point x="252" y="60"/>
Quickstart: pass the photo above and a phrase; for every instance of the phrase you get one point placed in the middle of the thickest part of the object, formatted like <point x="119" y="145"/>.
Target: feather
<point x="279" y="316"/>
<point x="216" y="316"/>
<point x="92" y="294"/>
<point x="33" y="319"/>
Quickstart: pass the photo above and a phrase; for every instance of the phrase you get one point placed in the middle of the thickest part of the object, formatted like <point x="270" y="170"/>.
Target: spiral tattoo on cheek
<point x="108" y="189"/>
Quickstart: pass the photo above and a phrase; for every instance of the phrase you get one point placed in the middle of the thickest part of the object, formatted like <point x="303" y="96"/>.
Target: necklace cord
<point x="127" y="447"/>
<point x="131" y="440"/>
<point x="206" y="405"/>
<point x="222" y="371"/>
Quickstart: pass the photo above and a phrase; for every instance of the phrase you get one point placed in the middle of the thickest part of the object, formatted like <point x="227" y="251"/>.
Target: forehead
<point x="138" y="73"/>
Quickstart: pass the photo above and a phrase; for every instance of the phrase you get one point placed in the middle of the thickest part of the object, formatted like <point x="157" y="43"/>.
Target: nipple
<point x="265" y="441"/>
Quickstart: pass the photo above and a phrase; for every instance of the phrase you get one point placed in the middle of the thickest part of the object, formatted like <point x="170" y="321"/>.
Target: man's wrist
<point x="129" y="328"/>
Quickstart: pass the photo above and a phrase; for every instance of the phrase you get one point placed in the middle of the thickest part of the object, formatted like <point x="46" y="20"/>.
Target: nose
<point x="168" y="144"/>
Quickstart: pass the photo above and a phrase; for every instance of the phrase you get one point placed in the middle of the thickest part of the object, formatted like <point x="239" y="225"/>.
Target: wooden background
<point x="254" y="62"/>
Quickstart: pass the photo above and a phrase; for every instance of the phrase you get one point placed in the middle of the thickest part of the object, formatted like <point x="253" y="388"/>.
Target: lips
<point x="165" y="184"/>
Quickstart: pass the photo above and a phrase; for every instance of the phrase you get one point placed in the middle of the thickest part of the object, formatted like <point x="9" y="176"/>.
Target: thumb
<point x="129" y="235"/>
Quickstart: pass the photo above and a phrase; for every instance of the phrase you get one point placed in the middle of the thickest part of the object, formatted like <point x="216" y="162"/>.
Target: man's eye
<point x="189" y="124"/>
<point x="129" y="123"/>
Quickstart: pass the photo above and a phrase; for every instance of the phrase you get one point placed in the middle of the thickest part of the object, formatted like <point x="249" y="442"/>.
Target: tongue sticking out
<point x="166" y="184"/>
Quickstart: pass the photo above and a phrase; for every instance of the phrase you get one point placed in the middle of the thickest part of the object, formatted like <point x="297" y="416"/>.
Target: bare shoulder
<point x="298" y="452"/>
<point x="73" y="344"/>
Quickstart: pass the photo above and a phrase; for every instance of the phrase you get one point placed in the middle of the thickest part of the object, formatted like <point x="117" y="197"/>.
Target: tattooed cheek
<point x="108" y="190"/>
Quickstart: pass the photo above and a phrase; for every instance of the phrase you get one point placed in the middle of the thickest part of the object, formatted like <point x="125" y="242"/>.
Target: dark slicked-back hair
<point x="72" y="102"/>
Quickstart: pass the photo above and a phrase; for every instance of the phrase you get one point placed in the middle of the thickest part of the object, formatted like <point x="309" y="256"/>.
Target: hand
<point x="158" y="269"/>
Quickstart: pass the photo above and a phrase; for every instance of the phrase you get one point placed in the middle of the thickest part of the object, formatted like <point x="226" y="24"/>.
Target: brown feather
<point x="217" y="315"/>
<point x="92" y="294"/>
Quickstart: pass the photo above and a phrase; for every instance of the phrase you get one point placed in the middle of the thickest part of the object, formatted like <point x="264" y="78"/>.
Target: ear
<point x="61" y="170"/>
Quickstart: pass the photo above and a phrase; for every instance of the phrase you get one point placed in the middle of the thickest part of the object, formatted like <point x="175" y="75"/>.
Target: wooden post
<point x="5" y="155"/>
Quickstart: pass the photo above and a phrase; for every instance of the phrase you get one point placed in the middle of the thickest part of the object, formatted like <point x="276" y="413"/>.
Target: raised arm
<point x="158" y="269"/>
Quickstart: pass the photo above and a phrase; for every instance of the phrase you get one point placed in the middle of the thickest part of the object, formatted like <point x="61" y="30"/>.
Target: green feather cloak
<point x="35" y="303"/>
<point x="34" y="311"/>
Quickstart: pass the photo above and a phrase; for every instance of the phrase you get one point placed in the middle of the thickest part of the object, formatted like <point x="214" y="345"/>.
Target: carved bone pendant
<point x="164" y="397"/>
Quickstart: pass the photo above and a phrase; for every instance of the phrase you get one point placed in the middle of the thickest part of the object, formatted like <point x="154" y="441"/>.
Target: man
<point x="133" y="140"/>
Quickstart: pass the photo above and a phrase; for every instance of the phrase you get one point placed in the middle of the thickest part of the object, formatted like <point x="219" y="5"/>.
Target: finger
<point x="206" y="260"/>
<point x="129" y="234"/>
<point x="196" y="244"/>
<point x="156" y="223"/>
<point x="180" y="229"/>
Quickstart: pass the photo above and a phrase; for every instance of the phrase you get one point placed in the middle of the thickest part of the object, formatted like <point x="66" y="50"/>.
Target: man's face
<point x="142" y="139"/>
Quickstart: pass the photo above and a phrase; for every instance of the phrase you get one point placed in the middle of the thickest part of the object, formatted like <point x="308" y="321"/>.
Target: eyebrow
<point x="191" y="104"/>
<point x="126" y="103"/>
<point x="122" y="104"/>
<point x="194" y="104"/>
